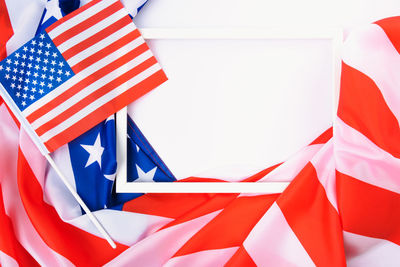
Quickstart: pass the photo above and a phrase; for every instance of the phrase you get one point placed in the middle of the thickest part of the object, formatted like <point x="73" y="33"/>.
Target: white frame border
<point x="122" y="184"/>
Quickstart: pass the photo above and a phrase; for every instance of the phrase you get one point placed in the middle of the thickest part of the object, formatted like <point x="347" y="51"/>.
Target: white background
<point x="231" y="108"/>
<point x="264" y="13"/>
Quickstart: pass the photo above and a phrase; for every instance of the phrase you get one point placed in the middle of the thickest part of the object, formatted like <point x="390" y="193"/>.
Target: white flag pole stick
<point x="94" y="220"/>
<point x="35" y="138"/>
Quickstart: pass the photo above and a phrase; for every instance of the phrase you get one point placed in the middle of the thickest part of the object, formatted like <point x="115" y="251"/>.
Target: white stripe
<point x="288" y="170"/>
<point x="370" y="51"/>
<point x="119" y="225"/>
<point x="24" y="230"/>
<point x="205" y="258"/>
<point x="82" y="75"/>
<point x="70" y="102"/>
<point x="55" y="192"/>
<point x="102" y="44"/>
<point x="324" y="165"/>
<point x="367" y="251"/>
<point x="91" y="31"/>
<point x="280" y="246"/>
<point x="80" y="17"/>
<point x="165" y="243"/>
<point x="99" y="102"/>
<point x="358" y="157"/>
<point x="6" y="260"/>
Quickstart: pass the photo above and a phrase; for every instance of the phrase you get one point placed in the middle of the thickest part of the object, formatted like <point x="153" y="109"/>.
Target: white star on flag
<point x="145" y="176"/>
<point x="52" y="10"/>
<point x="95" y="152"/>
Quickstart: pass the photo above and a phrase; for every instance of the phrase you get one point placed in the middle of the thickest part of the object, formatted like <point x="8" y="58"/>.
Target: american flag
<point x="340" y="209"/>
<point x="80" y="70"/>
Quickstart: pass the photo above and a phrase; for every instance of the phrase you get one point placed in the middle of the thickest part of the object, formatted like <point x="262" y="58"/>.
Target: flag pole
<point x="93" y="218"/>
<point x="35" y="138"/>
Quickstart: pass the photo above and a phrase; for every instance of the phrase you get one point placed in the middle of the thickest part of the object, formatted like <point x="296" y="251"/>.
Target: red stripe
<point x="97" y="37"/>
<point x="78" y="246"/>
<point x="105" y="51"/>
<point x="230" y="227"/>
<point x="95" y="95"/>
<point x="9" y="243"/>
<point x="241" y="259"/>
<point x="181" y="207"/>
<point x="324" y="137"/>
<point x="216" y="202"/>
<point x="313" y="219"/>
<point x="362" y="107"/>
<point x="391" y="27"/>
<point x="253" y="178"/>
<point x="368" y="210"/>
<point x="5" y="29"/>
<point x="70" y="15"/>
<point x="89" y="22"/>
<point x="106" y="110"/>
<point x="85" y="82"/>
<point x="166" y="205"/>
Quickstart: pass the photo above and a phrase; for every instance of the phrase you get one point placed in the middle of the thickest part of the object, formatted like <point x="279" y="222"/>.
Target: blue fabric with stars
<point x="94" y="164"/>
<point x="34" y="70"/>
<point x="143" y="159"/>
<point x="93" y="160"/>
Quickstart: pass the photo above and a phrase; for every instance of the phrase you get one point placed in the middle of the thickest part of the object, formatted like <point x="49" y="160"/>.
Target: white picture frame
<point x="335" y="35"/>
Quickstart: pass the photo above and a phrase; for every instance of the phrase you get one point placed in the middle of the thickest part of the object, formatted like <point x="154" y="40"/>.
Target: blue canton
<point x="33" y="71"/>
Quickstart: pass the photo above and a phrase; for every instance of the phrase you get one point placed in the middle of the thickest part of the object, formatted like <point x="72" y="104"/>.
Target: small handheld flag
<point x="80" y="70"/>
<point x="76" y="73"/>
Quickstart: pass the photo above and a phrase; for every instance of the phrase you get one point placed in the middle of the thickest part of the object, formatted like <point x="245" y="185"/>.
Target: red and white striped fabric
<point x="341" y="208"/>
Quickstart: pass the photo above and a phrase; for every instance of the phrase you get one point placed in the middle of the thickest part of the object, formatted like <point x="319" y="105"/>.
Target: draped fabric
<point x="342" y="206"/>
